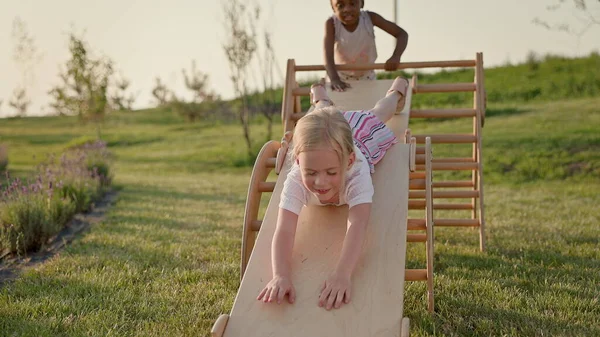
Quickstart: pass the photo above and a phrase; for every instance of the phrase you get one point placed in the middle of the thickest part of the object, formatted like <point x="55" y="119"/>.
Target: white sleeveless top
<point x="355" y="47"/>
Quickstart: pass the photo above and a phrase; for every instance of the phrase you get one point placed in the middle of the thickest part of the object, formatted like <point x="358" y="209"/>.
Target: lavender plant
<point x="32" y="213"/>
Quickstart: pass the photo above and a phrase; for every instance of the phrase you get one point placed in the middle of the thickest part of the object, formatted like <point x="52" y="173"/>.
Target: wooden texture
<point x="361" y="96"/>
<point x="403" y="65"/>
<point x="376" y="308"/>
<point x="378" y="282"/>
<point x="255" y="189"/>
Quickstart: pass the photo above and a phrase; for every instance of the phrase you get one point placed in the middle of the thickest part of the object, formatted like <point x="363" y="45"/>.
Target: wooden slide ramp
<point x="376" y="308"/>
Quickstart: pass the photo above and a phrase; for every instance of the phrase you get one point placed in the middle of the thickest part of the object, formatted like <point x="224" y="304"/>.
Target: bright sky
<point x="150" y="38"/>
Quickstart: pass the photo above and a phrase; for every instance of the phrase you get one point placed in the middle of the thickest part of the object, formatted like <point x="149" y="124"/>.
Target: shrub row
<point x="32" y="212"/>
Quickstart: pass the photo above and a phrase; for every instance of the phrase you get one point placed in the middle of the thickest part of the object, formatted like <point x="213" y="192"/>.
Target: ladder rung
<point x="445" y="87"/>
<point x="415" y="275"/>
<point x="416" y="204"/>
<point x="420" y="149"/>
<point x="417" y="184"/>
<point x="381" y="66"/>
<point x="447" y="138"/>
<point x="450" y="166"/>
<point x="416" y="224"/>
<point x="301" y="91"/>
<point x="416" y="175"/>
<point x="453" y="206"/>
<point x="416" y="237"/>
<point x="456" y="183"/>
<point x="295" y="116"/>
<point x="456" y="222"/>
<point x="267" y="186"/>
<point x="444" y="194"/>
<point x="420" y="159"/>
<point x="443" y="113"/>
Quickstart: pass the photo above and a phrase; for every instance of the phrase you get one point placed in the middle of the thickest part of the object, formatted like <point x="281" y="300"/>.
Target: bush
<point x="30" y="214"/>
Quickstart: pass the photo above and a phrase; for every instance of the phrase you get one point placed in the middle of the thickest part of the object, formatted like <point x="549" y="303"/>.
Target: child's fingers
<point x="324" y="295"/>
<point x="280" y="296"/>
<point x="331" y="300"/>
<point x="262" y="293"/>
<point x="292" y="295"/>
<point x="339" y="298"/>
<point x="266" y="295"/>
<point x="348" y="296"/>
<point x="273" y="294"/>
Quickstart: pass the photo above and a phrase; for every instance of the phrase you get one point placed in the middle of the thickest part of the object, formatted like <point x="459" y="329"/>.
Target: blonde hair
<point x="324" y="127"/>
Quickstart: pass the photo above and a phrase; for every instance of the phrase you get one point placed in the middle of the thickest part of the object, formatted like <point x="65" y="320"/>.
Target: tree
<point x="586" y="12"/>
<point x="120" y="99"/>
<point x="161" y="93"/>
<point x="26" y="56"/>
<point x="85" y="83"/>
<point x="267" y="61"/>
<point x="204" y="99"/>
<point x="19" y="101"/>
<point x="239" y="48"/>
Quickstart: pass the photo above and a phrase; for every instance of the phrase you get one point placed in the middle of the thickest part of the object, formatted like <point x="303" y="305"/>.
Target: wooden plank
<point x="416" y="224"/>
<point x="378" y="282"/>
<point x="301" y="91"/>
<point x="361" y="96"/>
<point x="445" y="87"/>
<point x="287" y="103"/>
<point x="266" y="186"/>
<point x="451" y="166"/>
<point x="457" y="222"/>
<point x="450" y="184"/>
<point x="415" y="275"/>
<point x="416" y="237"/>
<point x="453" y="206"/>
<point x="403" y="65"/>
<point x="420" y="159"/>
<point x="444" y="194"/>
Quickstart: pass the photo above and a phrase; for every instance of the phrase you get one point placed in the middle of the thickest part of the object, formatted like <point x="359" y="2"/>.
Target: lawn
<point x="165" y="261"/>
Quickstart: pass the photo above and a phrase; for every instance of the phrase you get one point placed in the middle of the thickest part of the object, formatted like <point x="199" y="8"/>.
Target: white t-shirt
<point x="358" y="188"/>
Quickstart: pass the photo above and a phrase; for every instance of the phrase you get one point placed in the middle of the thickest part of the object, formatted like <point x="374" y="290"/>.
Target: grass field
<point x="165" y="261"/>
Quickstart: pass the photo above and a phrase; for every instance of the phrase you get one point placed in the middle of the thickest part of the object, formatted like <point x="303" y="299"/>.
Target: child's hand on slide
<point x="392" y="63"/>
<point x="336" y="289"/>
<point x="276" y="290"/>
<point x="339" y="85"/>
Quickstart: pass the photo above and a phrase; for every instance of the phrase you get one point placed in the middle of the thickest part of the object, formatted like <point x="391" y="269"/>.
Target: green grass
<point x="165" y="261"/>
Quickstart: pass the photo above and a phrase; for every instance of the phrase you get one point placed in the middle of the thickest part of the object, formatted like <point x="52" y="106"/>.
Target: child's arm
<point x="281" y="256"/>
<point x="336" y="83"/>
<point x="394" y="30"/>
<point x="337" y="288"/>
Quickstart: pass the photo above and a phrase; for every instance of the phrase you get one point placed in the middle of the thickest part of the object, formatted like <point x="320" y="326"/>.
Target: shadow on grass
<point x="152" y="193"/>
<point x="40" y="139"/>
<point x="529" y="292"/>
<point x="132" y="141"/>
<point x="502" y="112"/>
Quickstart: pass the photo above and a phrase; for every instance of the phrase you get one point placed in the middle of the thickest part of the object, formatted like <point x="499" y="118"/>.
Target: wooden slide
<point x="376" y="308"/>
